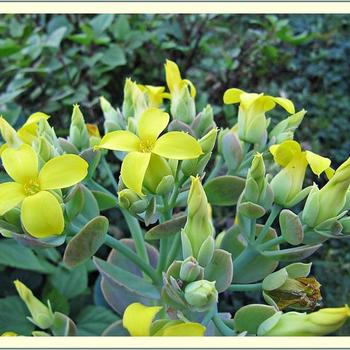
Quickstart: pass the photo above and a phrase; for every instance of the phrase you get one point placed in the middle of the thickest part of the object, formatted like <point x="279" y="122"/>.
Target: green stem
<point x="217" y="167"/>
<point x="222" y="327"/>
<point x="273" y="214"/>
<point x="137" y="235"/>
<point x="133" y="224"/>
<point x="174" y="249"/>
<point x="245" y="287"/>
<point x="163" y="253"/>
<point x="252" y="232"/>
<point x="271" y="243"/>
<point x="209" y="316"/>
<point x="128" y="253"/>
<point x="245" y="258"/>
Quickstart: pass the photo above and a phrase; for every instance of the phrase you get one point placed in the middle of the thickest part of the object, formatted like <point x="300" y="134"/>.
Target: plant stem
<point x="221" y="326"/>
<point x="133" y="224"/>
<point x="245" y="287"/>
<point x="273" y="214"/>
<point x="271" y="243"/>
<point x="163" y="252"/>
<point x="209" y="316"/>
<point x="137" y="235"/>
<point x="174" y="249"/>
<point x="217" y="167"/>
<point x="128" y="253"/>
<point x="243" y="259"/>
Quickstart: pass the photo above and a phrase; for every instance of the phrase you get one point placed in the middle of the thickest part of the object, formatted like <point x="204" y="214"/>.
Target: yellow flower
<point x="252" y="123"/>
<point x="155" y="94"/>
<point x="147" y="144"/>
<point x="138" y="319"/>
<point x="174" y="81"/>
<point x="27" y="133"/>
<point x="41" y="213"/>
<point x="287" y="184"/>
<point x="322" y="322"/>
<point x="9" y="334"/>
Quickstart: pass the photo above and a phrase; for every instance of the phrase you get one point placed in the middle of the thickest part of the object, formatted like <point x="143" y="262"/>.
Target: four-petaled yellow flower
<point x="252" y="123"/>
<point x="146" y="147"/>
<point x="288" y="183"/>
<point x="138" y="320"/>
<point x="174" y="81"/>
<point x="41" y="212"/>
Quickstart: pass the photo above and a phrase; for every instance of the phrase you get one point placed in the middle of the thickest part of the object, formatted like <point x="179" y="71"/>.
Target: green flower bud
<point x="207" y="142"/>
<point x="230" y="147"/>
<point x="288" y="183"/>
<point x="44" y="149"/>
<point x="322" y="322"/>
<point x="135" y="101"/>
<point x="204" y="121"/>
<point x="9" y="134"/>
<point x="284" y="130"/>
<point x="183" y="106"/>
<point x="332" y="197"/>
<point x="201" y="295"/>
<point x="158" y="169"/>
<point x="113" y="118"/>
<point x="166" y="185"/>
<point x="199" y="227"/>
<point x="78" y="134"/>
<point x="190" y="270"/>
<point x="131" y="201"/>
<point x="312" y="207"/>
<point x="41" y="315"/>
<point x="94" y="134"/>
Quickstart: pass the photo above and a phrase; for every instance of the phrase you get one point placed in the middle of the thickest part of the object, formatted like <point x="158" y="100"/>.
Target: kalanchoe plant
<point x="168" y="276"/>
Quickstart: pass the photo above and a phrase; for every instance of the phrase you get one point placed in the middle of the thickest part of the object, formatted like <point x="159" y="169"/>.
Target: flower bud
<point x="199" y="229"/>
<point x="190" y="270"/>
<point x="322" y="322"/>
<point x="183" y="106"/>
<point x="204" y="121"/>
<point x="158" y="171"/>
<point x="284" y="130"/>
<point x="113" y="118"/>
<point x="207" y="142"/>
<point x="94" y="134"/>
<point x="78" y="134"/>
<point x="134" y="100"/>
<point x="288" y="183"/>
<point x="41" y="315"/>
<point x="332" y="197"/>
<point x="166" y="185"/>
<point x="201" y="295"/>
<point x="130" y="200"/>
<point x="230" y="147"/>
<point x="44" y="149"/>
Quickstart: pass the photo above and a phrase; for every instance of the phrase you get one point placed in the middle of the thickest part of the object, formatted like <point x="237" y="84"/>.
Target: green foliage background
<point x="49" y="62"/>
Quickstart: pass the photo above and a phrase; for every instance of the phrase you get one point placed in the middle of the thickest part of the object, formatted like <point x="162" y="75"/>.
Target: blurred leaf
<point x="114" y="56"/>
<point x="55" y="38"/>
<point x="93" y="320"/>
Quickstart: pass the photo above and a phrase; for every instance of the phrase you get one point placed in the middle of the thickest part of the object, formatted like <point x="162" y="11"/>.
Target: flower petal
<point x="28" y="131"/>
<point x="133" y="170"/>
<point x="192" y="87"/>
<point x="284" y="152"/>
<point x="172" y="75"/>
<point x="21" y="164"/>
<point x="11" y="194"/>
<point x="62" y="171"/>
<point x="232" y="96"/>
<point x="187" y="329"/>
<point x="151" y="124"/>
<point x="288" y="105"/>
<point x="9" y="134"/>
<point x="318" y="164"/>
<point x="177" y="145"/>
<point x="42" y="215"/>
<point x="137" y="318"/>
<point x="120" y="140"/>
